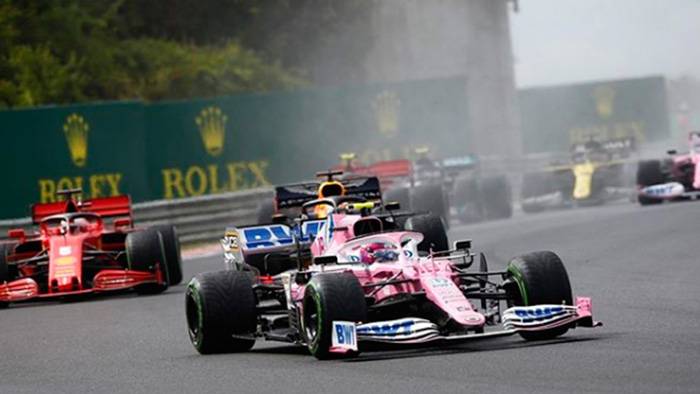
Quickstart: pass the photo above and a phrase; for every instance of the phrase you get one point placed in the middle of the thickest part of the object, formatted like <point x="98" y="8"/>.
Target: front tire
<point x="4" y="269"/>
<point x="649" y="173"/>
<point x="539" y="278"/>
<point x="219" y="305"/>
<point x="173" y="257"/>
<point x="328" y="298"/>
<point x="145" y="252"/>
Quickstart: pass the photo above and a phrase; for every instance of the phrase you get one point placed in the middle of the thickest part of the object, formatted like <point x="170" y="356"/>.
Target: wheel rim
<point x="311" y="319"/>
<point x="194" y="322"/>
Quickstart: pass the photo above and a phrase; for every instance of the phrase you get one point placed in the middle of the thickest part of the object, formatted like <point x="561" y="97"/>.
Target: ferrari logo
<point x="76" y="131"/>
<point x="386" y="109"/>
<point x="212" y="127"/>
<point x="604" y="101"/>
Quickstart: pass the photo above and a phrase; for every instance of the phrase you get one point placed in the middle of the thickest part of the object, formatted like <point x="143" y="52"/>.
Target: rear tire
<point x="219" y="305"/>
<point x="541" y="279"/>
<point x="265" y="212"/>
<point x="402" y="195"/>
<point x="173" y="257"/>
<point x="430" y="198"/>
<point x="496" y="197"/>
<point x="649" y="173"/>
<point x="145" y="252"/>
<point x="328" y="298"/>
<point x="433" y="230"/>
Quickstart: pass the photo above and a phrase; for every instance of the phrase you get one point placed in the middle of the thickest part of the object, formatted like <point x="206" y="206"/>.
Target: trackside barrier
<point x="197" y="219"/>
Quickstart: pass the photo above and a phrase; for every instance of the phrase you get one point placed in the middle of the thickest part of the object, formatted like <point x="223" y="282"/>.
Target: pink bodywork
<point x="434" y="276"/>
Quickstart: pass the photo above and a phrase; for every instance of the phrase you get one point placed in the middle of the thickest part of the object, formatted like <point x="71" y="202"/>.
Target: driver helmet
<point x="378" y="252"/>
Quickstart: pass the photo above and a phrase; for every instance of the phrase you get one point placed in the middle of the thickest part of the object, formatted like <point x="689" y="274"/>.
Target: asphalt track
<point x="640" y="265"/>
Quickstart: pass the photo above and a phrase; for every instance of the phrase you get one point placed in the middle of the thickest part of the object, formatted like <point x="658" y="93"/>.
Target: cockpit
<point x="383" y="248"/>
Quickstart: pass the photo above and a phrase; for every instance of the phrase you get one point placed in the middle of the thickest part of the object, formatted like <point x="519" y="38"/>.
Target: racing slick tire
<point x="539" y="278"/>
<point x="433" y="230"/>
<point x="144" y="251"/>
<point x="431" y="198"/>
<point x="265" y="212"/>
<point x="219" y="305"/>
<point x="173" y="257"/>
<point x="496" y="197"/>
<point x="327" y="298"/>
<point x="649" y="173"/>
<point x="4" y="269"/>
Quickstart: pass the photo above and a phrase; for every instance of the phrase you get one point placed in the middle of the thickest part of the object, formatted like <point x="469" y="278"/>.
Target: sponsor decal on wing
<point x="402" y="330"/>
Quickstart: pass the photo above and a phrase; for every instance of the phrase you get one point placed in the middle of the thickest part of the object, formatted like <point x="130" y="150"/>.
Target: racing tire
<point x="265" y="212"/>
<point x="4" y="269"/>
<point x="433" y="230"/>
<point x="402" y="195"/>
<point x="327" y="298"/>
<point x="431" y="198"/>
<point x="649" y="173"/>
<point x="144" y="252"/>
<point x="539" y="278"/>
<point x="466" y="200"/>
<point x="173" y="257"/>
<point x="496" y="197"/>
<point x="219" y="305"/>
<point x="534" y="185"/>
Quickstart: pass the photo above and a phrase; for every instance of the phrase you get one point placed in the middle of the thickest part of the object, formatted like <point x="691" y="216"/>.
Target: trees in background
<point x="65" y="51"/>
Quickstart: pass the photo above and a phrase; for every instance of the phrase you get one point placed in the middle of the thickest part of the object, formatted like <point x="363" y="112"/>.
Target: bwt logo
<point x="538" y="312"/>
<point x="399" y="328"/>
<point x="279" y="235"/>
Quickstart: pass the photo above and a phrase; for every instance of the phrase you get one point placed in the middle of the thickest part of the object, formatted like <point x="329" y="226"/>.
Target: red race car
<point x="84" y="247"/>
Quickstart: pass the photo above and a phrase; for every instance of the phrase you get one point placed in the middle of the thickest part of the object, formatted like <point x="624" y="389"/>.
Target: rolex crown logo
<point x="604" y="101"/>
<point x="212" y="127"/>
<point x="76" y="130"/>
<point x="386" y="109"/>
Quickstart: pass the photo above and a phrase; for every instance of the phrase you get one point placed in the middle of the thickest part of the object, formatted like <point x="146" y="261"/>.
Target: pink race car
<point x="356" y="283"/>
<point x="673" y="179"/>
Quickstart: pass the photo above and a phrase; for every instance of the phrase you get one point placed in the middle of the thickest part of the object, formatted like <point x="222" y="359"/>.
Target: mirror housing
<point x="392" y="206"/>
<point x="325" y="260"/>
<point x="463" y="244"/>
<point x="17" y="233"/>
<point x="672" y="152"/>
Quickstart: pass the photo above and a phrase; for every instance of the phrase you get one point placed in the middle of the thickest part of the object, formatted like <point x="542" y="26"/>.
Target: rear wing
<point x="296" y="195"/>
<point x="106" y="207"/>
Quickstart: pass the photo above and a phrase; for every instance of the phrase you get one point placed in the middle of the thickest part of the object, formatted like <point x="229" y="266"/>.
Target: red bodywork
<point x="73" y="251"/>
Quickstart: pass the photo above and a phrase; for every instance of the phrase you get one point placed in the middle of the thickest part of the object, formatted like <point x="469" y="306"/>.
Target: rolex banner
<point x="190" y="148"/>
<point x="554" y="118"/>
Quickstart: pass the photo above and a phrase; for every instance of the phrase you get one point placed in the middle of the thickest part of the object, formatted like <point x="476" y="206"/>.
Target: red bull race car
<point x="357" y="280"/>
<point x="673" y="179"/>
<point x="88" y="246"/>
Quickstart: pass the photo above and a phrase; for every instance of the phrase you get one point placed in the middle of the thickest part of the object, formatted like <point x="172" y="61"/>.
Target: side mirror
<point x="392" y="206"/>
<point x="17" y="233"/>
<point x="325" y="260"/>
<point x="464" y="244"/>
<point x="280" y="218"/>
<point x="672" y="152"/>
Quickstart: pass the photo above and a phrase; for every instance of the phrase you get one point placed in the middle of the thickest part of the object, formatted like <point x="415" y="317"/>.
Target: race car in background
<point x="450" y="188"/>
<point x="598" y="172"/>
<point x="356" y="282"/>
<point x="672" y="179"/>
<point x="88" y="246"/>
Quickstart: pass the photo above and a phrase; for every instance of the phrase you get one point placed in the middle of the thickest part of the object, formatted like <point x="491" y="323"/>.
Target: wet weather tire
<point x="496" y="197"/>
<point x="433" y="230"/>
<point x="540" y="278"/>
<point x="328" y="298"/>
<point x="144" y="252"/>
<point x="430" y="198"/>
<point x="218" y="306"/>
